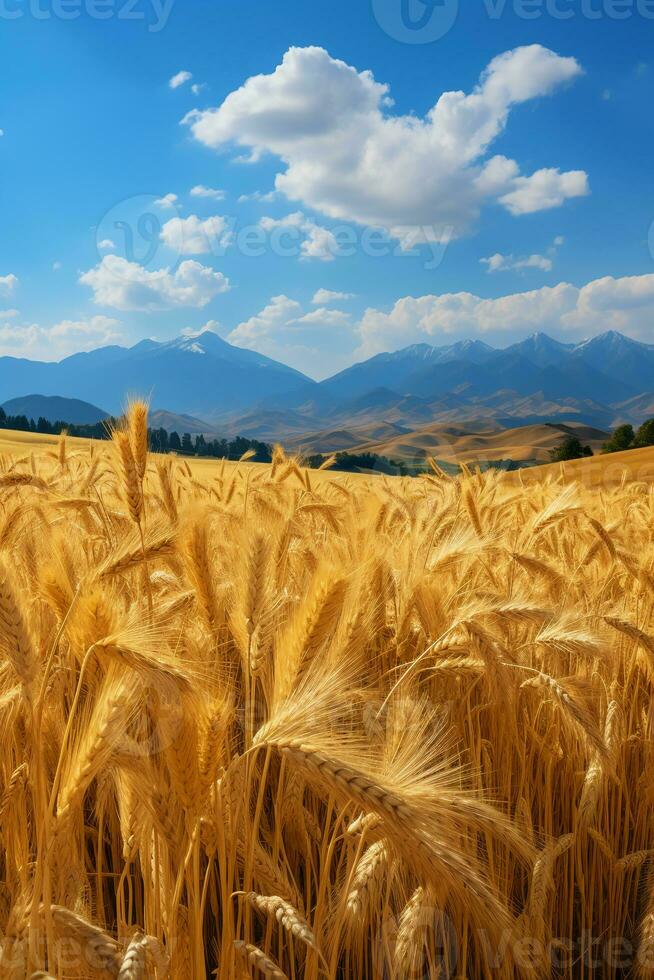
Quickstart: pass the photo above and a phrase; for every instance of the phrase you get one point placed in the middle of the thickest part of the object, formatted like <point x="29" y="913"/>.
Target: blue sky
<point x="386" y="207"/>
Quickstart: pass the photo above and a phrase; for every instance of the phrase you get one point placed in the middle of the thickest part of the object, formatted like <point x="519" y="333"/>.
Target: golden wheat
<point x="260" y="723"/>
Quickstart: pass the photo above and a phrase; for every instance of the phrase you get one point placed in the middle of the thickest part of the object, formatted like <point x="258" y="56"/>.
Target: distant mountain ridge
<point x="55" y="409"/>
<point x="599" y="382"/>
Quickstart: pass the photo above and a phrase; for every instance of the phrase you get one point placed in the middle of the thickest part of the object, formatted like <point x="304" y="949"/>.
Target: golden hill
<point x="469" y="444"/>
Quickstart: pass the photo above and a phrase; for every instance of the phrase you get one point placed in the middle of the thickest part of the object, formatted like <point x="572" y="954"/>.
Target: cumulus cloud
<point x="211" y="192"/>
<point x="318" y="242"/>
<point x="9" y="314"/>
<point x="181" y="78"/>
<point x="276" y="314"/>
<point x="318" y="342"/>
<point x="544" y="190"/>
<point x="324" y="317"/>
<point x="57" y="341"/>
<point x="323" y="297"/>
<point x="213" y="326"/>
<point x="167" y="201"/>
<point x="507" y="263"/>
<point x="347" y="155"/>
<point x="8" y="284"/>
<point x="196" y="236"/>
<point x="511" y="263"/>
<point x="127" y="285"/>
<point x="565" y="311"/>
<point x="266" y="197"/>
<point x="106" y="243"/>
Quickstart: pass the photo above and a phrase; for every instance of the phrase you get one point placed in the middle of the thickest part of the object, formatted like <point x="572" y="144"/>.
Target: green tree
<point x="622" y="438"/>
<point x="187" y="445"/>
<point x="570" y="448"/>
<point x="645" y="435"/>
<point x="158" y="440"/>
<point x="174" y="442"/>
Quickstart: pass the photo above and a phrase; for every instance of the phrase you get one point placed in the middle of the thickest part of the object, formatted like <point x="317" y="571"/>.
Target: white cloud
<point x="180" y="79"/>
<point x="213" y="326"/>
<point x="127" y="285"/>
<point x="167" y="201"/>
<point x="348" y="156"/>
<point x="324" y="317"/>
<point x="196" y="236"/>
<point x="620" y="299"/>
<point x="317" y="342"/>
<point x="98" y="327"/>
<point x="56" y="266"/>
<point x="564" y="310"/>
<point x="211" y="192"/>
<point x="544" y="190"/>
<point x="323" y="297"/>
<point x="8" y="284"/>
<point x="277" y="314"/>
<point x="497" y="262"/>
<point x="9" y="314"/>
<point x="258" y="196"/>
<point x="60" y="340"/>
<point x="318" y="242"/>
<point x="197" y="87"/>
<point x="507" y="263"/>
<point x="106" y="243"/>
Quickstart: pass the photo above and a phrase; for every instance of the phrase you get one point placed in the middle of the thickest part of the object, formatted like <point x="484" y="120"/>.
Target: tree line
<point x="623" y="438"/>
<point x="161" y="441"/>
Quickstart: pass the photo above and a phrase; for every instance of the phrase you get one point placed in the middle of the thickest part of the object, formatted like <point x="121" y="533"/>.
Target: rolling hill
<point x="205" y="385"/>
<point x="454" y="444"/>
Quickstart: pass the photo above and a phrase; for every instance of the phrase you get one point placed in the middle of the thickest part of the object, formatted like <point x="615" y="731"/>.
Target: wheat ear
<point x="285" y="913"/>
<point x="258" y="962"/>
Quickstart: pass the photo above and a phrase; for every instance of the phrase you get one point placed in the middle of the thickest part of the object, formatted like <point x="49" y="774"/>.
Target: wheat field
<point x="261" y="722"/>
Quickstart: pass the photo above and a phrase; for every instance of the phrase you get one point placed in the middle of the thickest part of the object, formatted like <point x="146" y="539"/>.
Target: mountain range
<point x="198" y="376"/>
<point x="600" y="382"/>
